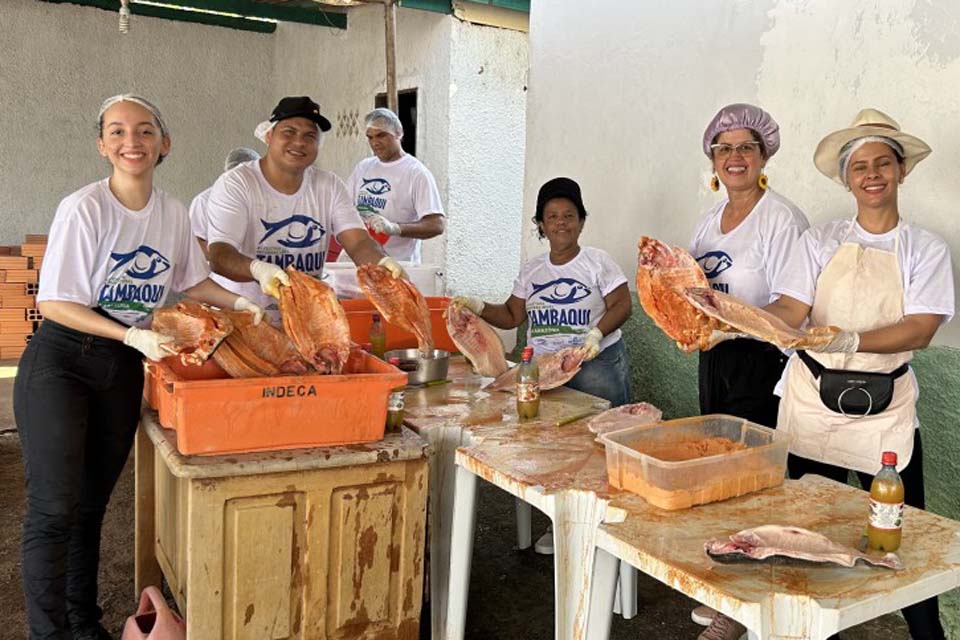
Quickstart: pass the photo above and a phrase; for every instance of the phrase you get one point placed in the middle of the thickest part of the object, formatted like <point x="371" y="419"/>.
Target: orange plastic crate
<point x="360" y="316"/>
<point x="213" y="413"/>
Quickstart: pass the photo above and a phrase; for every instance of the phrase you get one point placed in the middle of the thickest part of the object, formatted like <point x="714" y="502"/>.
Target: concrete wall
<point x="488" y="69"/>
<point x="621" y="92"/>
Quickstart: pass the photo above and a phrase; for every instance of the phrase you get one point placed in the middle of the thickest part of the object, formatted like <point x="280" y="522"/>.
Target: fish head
<point x="376" y="186"/>
<point x="562" y="291"/>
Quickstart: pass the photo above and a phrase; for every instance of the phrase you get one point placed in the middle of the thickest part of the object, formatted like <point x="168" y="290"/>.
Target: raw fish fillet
<point x="756" y="322"/>
<point x="624" y="417"/>
<point x="663" y="273"/>
<point x="315" y="321"/>
<point x="398" y="301"/>
<point x="242" y="363"/>
<point x="476" y="340"/>
<point x="267" y="343"/>
<point x="197" y="329"/>
<point x="556" y="369"/>
<point x="776" y="543"/>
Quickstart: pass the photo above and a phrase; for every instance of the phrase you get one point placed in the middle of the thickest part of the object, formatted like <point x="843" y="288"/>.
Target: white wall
<point x="620" y="93"/>
<point x="488" y="70"/>
<point x="60" y="61"/>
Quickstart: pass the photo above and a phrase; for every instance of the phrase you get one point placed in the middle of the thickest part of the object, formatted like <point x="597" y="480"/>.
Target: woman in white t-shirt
<point x="116" y="249"/>
<point x="742" y="243"/>
<point x="888" y="285"/>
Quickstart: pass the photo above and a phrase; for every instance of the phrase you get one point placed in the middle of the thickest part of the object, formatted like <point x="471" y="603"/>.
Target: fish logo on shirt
<point x="562" y="291"/>
<point x="376" y="186"/>
<point x="143" y="263"/>
<point x="296" y="232"/>
<point x="714" y="263"/>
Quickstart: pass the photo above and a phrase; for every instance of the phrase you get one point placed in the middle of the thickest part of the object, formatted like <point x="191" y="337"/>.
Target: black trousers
<point x="77" y="403"/>
<point x="738" y="376"/>
<point x="922" y="618"/>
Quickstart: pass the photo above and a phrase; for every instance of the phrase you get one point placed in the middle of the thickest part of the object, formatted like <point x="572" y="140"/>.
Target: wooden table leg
<point x="146" y="569"/>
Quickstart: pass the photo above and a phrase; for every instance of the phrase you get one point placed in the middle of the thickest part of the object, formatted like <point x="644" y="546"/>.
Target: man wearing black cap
<point x="280" y="211"/>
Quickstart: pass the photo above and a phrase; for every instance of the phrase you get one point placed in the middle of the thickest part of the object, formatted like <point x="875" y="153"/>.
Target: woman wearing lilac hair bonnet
<point x="742" y="243"/>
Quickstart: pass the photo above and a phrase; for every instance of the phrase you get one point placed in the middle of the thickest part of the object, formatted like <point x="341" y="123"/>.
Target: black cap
<point x="559" y="188"/>
<point x="299" y="107"/>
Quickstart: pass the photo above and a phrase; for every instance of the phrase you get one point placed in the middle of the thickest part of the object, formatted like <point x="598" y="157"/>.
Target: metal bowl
<point x="421" y="370"/>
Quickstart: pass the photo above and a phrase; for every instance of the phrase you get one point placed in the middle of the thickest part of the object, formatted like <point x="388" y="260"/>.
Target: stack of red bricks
<point x="19" y="274"/>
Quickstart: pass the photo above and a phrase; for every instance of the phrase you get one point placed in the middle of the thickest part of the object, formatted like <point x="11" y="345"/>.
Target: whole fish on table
<point x="399" y="302"/>
<point x="476" y="340"/>
<point x="780" y="544"/>
<point x="556" y="369"/>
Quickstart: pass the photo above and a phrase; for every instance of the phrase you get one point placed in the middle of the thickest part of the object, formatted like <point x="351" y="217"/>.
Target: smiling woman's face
<point x="739" y="169"/>
<point x="874" y="174"/>
<point x="561" y="223"/>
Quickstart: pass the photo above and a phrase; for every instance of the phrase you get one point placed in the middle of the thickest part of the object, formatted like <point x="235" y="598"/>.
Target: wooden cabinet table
<point x="312" y="544"/>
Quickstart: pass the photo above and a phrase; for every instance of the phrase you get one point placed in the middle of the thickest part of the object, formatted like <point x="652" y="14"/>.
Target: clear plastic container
<point x="648" y="460"/>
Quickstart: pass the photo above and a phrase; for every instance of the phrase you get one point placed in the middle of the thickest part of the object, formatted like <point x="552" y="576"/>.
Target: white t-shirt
<point x="746" y="261"/>
<point x="924" y="264"/>
<point x="401" y="191"/>
<point x="199" y="225"/>
<point x="288" y="230"/>
<point x="565" y="301"/>
<point x="100" y="253"/>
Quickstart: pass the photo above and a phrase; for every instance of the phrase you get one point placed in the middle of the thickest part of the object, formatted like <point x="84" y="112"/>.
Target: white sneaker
<point x="703" y="615"/>
<point x="544" y="544"/>
<point x="723" y="628"/>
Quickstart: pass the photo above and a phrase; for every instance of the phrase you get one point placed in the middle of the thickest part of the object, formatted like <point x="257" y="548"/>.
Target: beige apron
<point x="859" y="289"/>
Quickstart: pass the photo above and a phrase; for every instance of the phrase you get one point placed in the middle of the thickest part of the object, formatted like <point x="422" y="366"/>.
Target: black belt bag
<point x="853" y="393"/>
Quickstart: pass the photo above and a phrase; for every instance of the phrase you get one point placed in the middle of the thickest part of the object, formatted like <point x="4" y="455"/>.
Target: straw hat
<point x="869" y="122"/>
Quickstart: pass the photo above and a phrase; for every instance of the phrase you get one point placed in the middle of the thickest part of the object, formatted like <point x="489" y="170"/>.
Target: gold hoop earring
<point x="715" y="183"/>
<point x="763" y="181"/>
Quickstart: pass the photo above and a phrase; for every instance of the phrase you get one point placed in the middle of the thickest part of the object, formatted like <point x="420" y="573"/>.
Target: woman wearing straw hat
<point x="888" y="285"/>
<point x="742" y="243"/>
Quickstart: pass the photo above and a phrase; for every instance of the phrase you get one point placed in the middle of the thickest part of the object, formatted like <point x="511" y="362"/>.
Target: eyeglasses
<point x="722" y="150"/>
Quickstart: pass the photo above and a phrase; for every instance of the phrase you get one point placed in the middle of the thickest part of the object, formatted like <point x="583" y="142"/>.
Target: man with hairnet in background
<point x="394" y="193"/>
<point x="282" y="212"/>
<point x="199" y="220"/>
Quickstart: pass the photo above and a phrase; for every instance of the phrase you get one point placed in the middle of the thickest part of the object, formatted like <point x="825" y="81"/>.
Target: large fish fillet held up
<point x="197" y="329"/>
<point x="756" y="322"/>
<point x="776" y="543"/>
<point x="399" y="302"/>
<point x="476" y="340"/>
<point x="315" y="321"/>
<point x="556" y="369"/>
<point x="663" y="273"/>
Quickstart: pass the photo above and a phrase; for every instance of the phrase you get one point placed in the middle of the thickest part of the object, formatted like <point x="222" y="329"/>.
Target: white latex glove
<point x="242" y="304"/>
<point x="148" y="343"/>
<point x="843" y="342"/>
<point x="592" y="343"/>
<point x="393" y="267"/>
<point x="269" y="276"/>
<point x="474" y="304"/>
<point x="381" y="225"/>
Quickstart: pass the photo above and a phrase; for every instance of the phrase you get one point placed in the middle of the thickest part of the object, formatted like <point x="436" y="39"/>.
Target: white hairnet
<point x="849" y="148"/>
<point x="239" y="156"/>
<point x="143" y="102"/>
<point x="384" y="120"/>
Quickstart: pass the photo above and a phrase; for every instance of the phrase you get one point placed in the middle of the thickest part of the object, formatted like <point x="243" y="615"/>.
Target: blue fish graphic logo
<point x="376" y="186"/>
<point x="714" y="263"/>
<point x="562" y="291"/>
<point x="143" y="263"/>
<point x="299" y="231"/>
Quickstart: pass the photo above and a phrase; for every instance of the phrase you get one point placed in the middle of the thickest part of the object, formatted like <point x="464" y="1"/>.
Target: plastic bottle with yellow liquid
<point x="528" y="386"/>
<point x="378" y="337"/>
<point x="886" y="506"/>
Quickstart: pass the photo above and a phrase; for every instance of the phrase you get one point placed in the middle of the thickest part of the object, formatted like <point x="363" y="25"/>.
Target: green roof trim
<point x="513" y="5"/>
<point x="437" y="6"/>
<point x="308" y="14"/>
